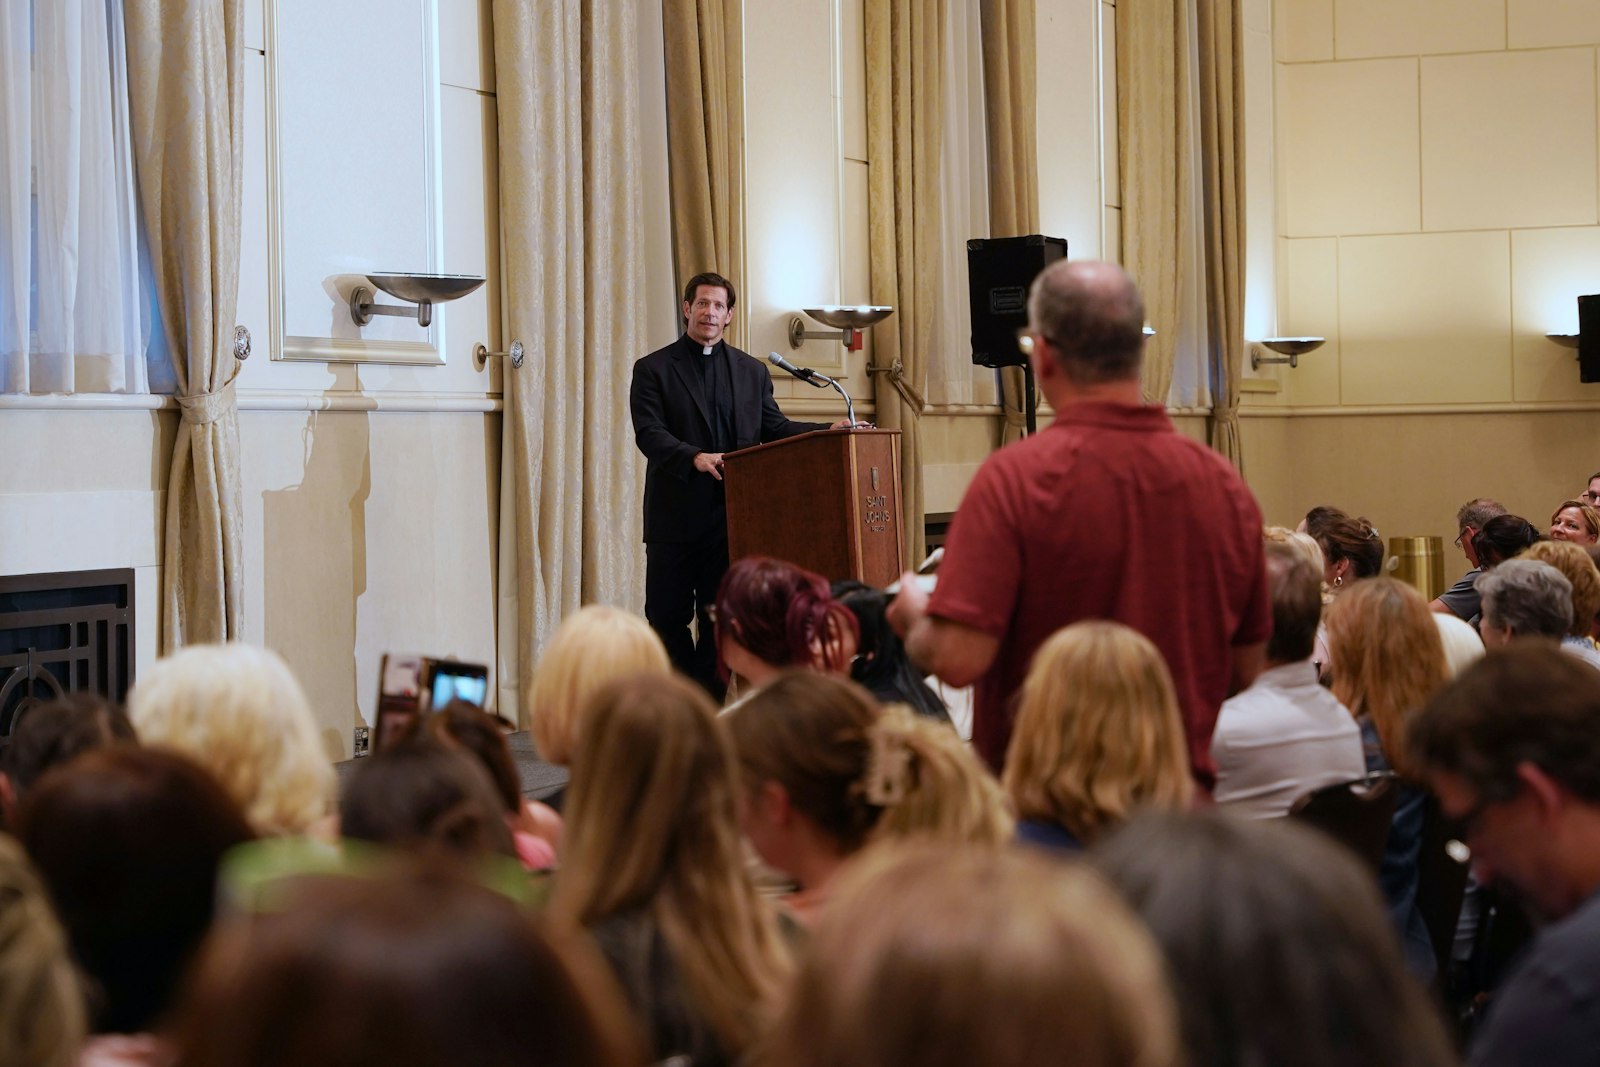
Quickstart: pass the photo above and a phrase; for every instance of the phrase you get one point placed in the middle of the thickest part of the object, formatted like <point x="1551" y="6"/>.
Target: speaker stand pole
<point x="1030" y="399"/>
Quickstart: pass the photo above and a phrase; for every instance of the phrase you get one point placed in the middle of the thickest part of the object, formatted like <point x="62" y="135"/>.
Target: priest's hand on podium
<point x="710" y="462"/>
<point x="846" y="424"/>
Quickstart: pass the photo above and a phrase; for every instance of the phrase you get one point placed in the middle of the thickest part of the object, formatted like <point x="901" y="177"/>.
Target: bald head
<point x="1091" y="314"/>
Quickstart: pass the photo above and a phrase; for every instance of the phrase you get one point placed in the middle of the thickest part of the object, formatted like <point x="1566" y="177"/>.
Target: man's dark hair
<point x="1093" y="317"/>
<point x="1527" y="703"/>
<point x="52" y="733"/>
<point x="713" y="279"/>
<point x="1296" y="590"/>
<point x="1475" y="513"/>
<point x="1532" y="598"/>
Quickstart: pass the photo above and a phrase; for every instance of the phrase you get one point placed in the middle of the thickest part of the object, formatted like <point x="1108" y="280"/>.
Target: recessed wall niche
<point x="353" y="172"/>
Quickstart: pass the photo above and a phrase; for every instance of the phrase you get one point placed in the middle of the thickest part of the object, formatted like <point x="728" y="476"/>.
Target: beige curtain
<point x="1153" y="108"/>
<point x="566" y="76"/>
<point x="705" y="139"/>
<point x="1220" y="26"/>
<point x="904" y="39"/>
<point x="1010" y="97"/>
<point x="185" y="103"/>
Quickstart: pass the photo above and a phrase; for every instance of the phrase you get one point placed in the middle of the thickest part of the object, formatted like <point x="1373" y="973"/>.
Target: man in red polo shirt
<point x="1109" y="513"/>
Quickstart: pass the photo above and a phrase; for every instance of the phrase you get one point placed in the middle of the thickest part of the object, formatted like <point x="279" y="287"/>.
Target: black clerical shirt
<point x="716" y="389"/>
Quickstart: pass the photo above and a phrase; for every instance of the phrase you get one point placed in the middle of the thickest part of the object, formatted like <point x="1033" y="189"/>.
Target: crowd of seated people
<point x="823" y="871"/>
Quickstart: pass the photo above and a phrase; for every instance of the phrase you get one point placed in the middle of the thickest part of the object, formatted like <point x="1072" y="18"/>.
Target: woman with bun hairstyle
<point x="1504" y="537"/>
<point x="1351" y="550"/>
<point x="827" y="771"/>
<point x="771" y="616"/>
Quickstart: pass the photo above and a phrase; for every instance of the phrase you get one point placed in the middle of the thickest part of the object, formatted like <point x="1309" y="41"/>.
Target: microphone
<point x="803" y="373"/>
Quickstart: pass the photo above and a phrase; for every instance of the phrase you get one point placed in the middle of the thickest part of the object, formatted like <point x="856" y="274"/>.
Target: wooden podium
<point x="828" y="501"/>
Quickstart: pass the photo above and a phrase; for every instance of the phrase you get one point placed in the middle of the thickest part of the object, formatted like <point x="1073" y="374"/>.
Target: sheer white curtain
<point x="963" y="208"/>
<point x="73" y="314"/>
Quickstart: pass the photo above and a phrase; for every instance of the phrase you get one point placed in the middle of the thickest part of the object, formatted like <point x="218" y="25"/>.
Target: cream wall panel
<point x="1260" y="204"/>
<point x="1069" y="121"/>
<point x="470" y="244"/>
<point x="1364" y="28"/>
<point x="1508" y="140"/>
<point x="366" y="534"/>
<point x="354" y="195"/>
<point x="1268" y="467"/>
<point x="1549" y="270"/>
<point x="1304" y="30"/>
<point x="1309" y="307"/>
<point x="792" y="159"/>
<point x="1425" y="318"/>
<point x="255" y="34"/>
<point x="1258" y="16"/>
<point x="853" y="79"/>
<point x="1552" y="23"/>
<point x="1409" y="473"/>
<point x="1110" y="154"/>
<point x="466" y="43"/>
<point x="1348" y="147"/>
<point x="254" y="311"/>
<point x="1111" y="235"/>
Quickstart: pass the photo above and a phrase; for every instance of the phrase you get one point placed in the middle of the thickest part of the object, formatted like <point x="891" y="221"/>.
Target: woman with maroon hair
<point x="772" y="616"/>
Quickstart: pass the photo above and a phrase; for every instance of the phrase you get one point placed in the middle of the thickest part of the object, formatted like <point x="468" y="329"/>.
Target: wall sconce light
<point x="423" y="290"/>
<point x="847" y="323"/>
<point x="1565" y="340"/>
<point x="1289" y="350"/>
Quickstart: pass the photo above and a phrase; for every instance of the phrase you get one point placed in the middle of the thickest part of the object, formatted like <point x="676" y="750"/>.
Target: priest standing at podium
<point x="692" y="401"/>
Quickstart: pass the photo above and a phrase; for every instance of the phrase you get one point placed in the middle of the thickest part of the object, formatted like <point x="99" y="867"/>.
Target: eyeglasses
<point x="1462" y="536"/>
<point x="1593" y="498"/>
<point x="1026" y="342"/>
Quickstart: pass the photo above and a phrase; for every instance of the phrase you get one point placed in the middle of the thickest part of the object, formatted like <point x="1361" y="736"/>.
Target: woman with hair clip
<point x="771" y="616"/>
<point x="1388" y="660"/>
<point x="1098" y="736"/>
<point x="653" y="869"/>
<point x="1351" y="550"/>
<point x="827" y="770"/>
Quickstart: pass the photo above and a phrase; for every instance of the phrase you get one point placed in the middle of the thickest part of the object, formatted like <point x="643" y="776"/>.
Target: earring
<point x="1338" y="581"/>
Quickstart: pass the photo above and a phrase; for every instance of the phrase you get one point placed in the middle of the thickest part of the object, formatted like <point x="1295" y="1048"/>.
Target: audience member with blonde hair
<point x="826" y="770"/>
<point x="1575" y="522"/>
<point x="1098" y="735"/>
<point x="933" y="956"/>
<point x="41" y="1005"/>
<point x="238" y="711"/>
<point x="1387" y="661"/>
<point x="1573" y="561"/>
<point x="591" y="647"/>
<point x="653" y="868"/>
<point x="1276" y="944"/>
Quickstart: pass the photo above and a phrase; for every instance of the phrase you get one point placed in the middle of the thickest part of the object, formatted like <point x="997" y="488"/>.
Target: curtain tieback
<point x="902" y="385"/>
<point x="202" y="408"/>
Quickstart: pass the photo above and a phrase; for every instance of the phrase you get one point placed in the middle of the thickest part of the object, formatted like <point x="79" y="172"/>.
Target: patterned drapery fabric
<point x="570" y="208"/>
<point x="185" y="98"/>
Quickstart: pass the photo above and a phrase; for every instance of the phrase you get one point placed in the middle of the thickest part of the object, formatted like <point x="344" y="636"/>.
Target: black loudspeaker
<point x="1589" y="338"/>
<point x="999" y="272"/>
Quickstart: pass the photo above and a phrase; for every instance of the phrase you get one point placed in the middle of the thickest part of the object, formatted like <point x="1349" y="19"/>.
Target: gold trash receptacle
<point x="1419" y="562"/>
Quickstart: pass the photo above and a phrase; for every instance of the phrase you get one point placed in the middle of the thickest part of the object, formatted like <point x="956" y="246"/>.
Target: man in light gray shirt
<point x="1285" y="735"/>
